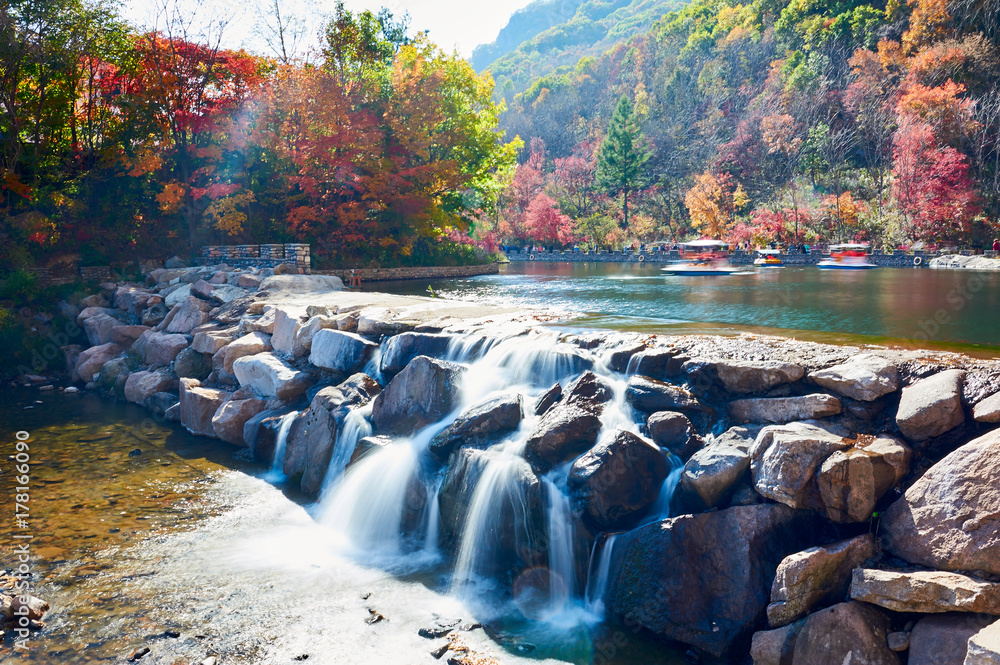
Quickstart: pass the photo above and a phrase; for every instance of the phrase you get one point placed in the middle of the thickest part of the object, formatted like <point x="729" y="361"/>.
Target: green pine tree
<point x="623" y="155"/>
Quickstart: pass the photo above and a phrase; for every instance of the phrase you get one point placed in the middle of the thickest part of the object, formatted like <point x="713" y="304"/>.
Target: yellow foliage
<point x="170" y="198"/>
<point x="225" y="213"/>
<point x="708" y="206"/>
<point x="928" y="23"/>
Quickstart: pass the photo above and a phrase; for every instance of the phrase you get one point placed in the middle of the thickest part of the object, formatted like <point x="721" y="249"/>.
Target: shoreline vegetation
<point x="831" y="487"/>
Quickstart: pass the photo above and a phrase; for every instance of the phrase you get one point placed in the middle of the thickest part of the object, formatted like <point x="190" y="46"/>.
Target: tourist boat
<point x="708" y="261"/>
<point x="769" y="258"/>
<point x="847" y="257"/>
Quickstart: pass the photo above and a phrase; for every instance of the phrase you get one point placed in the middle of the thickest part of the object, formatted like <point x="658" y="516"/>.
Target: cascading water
<point x="662" y="509"/>
<point x="356" y="426"/>
<point x="597" y="575"/>
<point x="562" y="573"/>
<point x="277" y="472"/>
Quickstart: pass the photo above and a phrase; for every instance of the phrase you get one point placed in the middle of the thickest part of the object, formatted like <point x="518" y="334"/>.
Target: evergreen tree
<point x="623" y="155"/>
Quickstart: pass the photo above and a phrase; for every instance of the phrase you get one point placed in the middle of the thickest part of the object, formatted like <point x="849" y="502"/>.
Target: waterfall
<point x="373" y="367"/>
<point x="277" y="472"/>
<point x="356" y="426"/>
<point x="562" y="573"/>
<point x="661" y="510"/>
<point x="597" y="576"/>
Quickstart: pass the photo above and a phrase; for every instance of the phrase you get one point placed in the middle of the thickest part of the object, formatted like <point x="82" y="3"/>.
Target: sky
<point x="458" y="24"/>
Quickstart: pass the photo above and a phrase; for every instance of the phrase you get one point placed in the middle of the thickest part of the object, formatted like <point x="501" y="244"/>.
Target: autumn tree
<point x="546" y="225"/>
<point x="710" y="205"/>
<point x="623" y="155"/>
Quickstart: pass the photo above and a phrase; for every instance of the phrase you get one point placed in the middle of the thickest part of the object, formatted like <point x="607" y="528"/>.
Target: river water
<point x="146" y="536"/>
<point x="947" y="309"/>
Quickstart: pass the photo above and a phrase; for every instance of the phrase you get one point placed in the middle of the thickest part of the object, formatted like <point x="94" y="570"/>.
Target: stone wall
<point x="272" y="255"/>
<point x="895" y="260"/>
<point x="394" y="274"/>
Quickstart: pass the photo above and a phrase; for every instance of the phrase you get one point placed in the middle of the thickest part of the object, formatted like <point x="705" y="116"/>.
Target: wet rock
<point x="845" y="633"/>
<point x="113" y="377"/>
<point x="704" y="579"/>
<point x="91" y="360"/>
<point x="420" y="395"/>
<point x="125" y="336"/>
<point x="340" y="351"/>
<point x="548" y="399"/>
<point x="984" y="646"/>
<point x="22" y="605"/>
<point x="367" y="446"/>
<point x="756" y="376"/>
<point x="865" y="377"/>
<point x="618" y="480"/>
<point x="98" y="328"/>
<point x="852" y="481"/>
<point x="785" y="460"/>
<point x="260" y="433"/>
<point x="270" y="376"/>
<point x="712" y="473"/>
<point x="140" y="386"/>
<point x="943" y="639"/>
<point x="485" y="422"/>
<point x="932" y="406"/>
<point x="988" y="411"/>
<point x="190" y="364"/>
<point x="159" y="349"/>
<point x="815" y="576"/>
<point x="313" y="435"/>
<point x="783" y="409"/>
<point x="650" y="395"/>
<point x="589" y="392"/>
<point x="154" y="315"/>
<point x="186" y="316"/>
<point x="673" y="431"/>
<point x="563" y="433"/>
<point x="949" y="519"/>
<point x="247" y="345"/>
<point x="925" y="591"/>
<point x="138" y="654"/>
<point x="401" y="349"/>
<point x="657" y="363"/>
<point x="198" y="406"/>
<point x="229" y="421"/>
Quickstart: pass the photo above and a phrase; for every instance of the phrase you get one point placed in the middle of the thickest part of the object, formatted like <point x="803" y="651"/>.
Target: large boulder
<point x="657" y="363"/>
<point x="984" y="646"/>
<point x="154" y="315"/>
<point x="186" y="316"/>
<point x="271" y="376"/>
<point x="562" y="434"/>
<point x="90" y="361"/>
<point x="814" y="576"/>
<point x="231" y="418"/>
<point x="485" y="422"/>
<point x="420" y="395"/>
<point x="401" y="349"/>
<point x="618" y="480"/>
<point x="712" y="473"/>
<point x="247" y="345"/>
<point x="845" y="634"/>
<point x="950" y="518"/>
<point x="113" y="376"/>
<point x="785" y="460"/>
<point x="782" y="410"/>
<point x="198" y="406"/>
<point x="988" y="411"/>
<point x="287" y="322"/>
<point x="98" y="329"/>
<point x="159" y="349"/>
<point x="852" y="481"/>
<point x="190" y="364"/>
<point x="366" y="446"/>
<point x="756" y="376"/>
<point x="943" y="639"/>
<point x="210" y="341"/>
<point x="140" y="386"/>
<point x="650" y="395"/>
<point x="124" y="336"/>
<point x="340" y="351"/>
<point x="307" y="331"/>
<point x="589" y="392"/>
<point x="132" y="299"/>
<point x="704" y="579"/>
<point x="925" y="591"/>
<point x="932" y="406"/>
<point x="673" y="431"/>
<point x="92" y="311"/>
<point x="312" y="437"/>
<point x="865" y="377"/>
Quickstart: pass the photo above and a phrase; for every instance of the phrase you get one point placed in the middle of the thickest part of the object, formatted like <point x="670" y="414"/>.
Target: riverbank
<point x="774" y="492"/>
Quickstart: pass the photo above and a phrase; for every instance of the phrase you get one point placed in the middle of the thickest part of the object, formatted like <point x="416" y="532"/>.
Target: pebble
<point x="72" y="389"/>
<point x="135" y="453"/>
<point x="374" y="617"/>
<point x="138" y="653"/>
<point x="899" y="641"/>
<point x="47" y="388"/>
<point x="211" y="660"/>
<point x="441" y="651"/>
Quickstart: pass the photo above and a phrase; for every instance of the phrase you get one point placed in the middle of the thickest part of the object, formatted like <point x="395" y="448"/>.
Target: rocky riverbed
<point x="752" y="498"/>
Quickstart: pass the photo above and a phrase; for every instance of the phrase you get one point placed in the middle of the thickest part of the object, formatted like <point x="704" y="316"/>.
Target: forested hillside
<point x="796" y="121"/>
<point x="576" y="29"/>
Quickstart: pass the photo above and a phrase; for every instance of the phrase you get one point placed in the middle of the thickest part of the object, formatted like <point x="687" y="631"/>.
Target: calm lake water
<point x="919" y="308"/>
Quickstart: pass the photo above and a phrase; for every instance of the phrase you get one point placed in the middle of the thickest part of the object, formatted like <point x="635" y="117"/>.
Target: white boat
<point x="708" y="262"/>
<point x="848" y="256"/>
<point x="769" y="258"/>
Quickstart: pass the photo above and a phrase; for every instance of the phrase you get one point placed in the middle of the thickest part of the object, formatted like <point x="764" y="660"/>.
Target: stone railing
<point x="295" y="255"/>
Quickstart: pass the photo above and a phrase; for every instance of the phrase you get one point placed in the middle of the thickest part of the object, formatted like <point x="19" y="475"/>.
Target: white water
<point x="277" y="473"/>
<point x="562" y="568"/>
<point x="597" y="577"/>
<point x="356" y="426"/>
